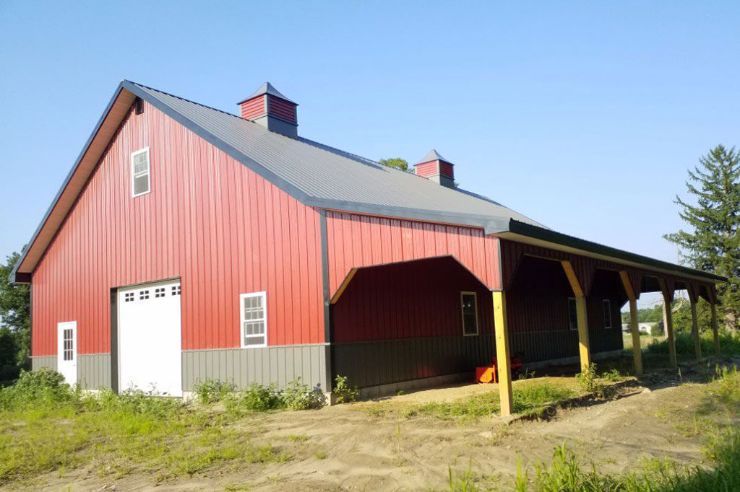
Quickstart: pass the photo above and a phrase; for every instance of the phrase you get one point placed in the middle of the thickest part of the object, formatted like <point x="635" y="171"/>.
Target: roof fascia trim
<point x="14" y="274"/>
<point x="548" y="235"/>
<point x="488" y="224"/>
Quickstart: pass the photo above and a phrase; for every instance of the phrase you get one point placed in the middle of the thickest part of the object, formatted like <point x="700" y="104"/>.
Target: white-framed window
<point x="140" y="172"/>
<point x="68" y="344"/>
<point x="253" y="309"/>
<point x="572" y="313"/>
<point x="469" y="308"/>
<point x="606" y="306"/>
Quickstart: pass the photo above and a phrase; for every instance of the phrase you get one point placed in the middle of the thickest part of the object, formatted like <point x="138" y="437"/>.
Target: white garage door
<point x="149" y="338"/>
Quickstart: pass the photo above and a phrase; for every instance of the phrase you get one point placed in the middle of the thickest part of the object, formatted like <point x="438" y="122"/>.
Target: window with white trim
<point x="140" y="172"/>
<point x="68" y="344"/>
<point x="572" y="313"/>
<point x="606" y="306"/>
<point x="254" y="319"/>
<point x="469" y="308"/>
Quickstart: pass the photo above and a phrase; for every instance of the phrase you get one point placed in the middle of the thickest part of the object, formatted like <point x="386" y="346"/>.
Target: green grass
<point x="530" y="398"/>
<point x="45" y="426"/>
<point x="729" y="344"/>
<point x="722" y="400"/>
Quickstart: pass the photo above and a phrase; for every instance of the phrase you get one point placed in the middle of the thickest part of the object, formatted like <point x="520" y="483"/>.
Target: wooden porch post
<point x="695" y="330"/>
<point x="668" y="321"/>
<point x="715" y="326"/>
<point x="502" y="352"/>
<point x="582" y="313"/>
<point x="634" y="326"/>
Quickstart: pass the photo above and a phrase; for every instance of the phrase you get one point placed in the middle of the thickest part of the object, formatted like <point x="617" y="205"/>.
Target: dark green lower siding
<point x="391" y="361"/>
<point x="540" y="346"/>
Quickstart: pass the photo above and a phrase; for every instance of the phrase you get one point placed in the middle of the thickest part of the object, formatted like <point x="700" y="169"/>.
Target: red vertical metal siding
<point x="357" y="241"/>
<point x="209" y="220"/>
<point x="408" y="300"/>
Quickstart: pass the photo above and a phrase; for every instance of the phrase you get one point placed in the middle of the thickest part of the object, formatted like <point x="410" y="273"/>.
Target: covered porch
<point x="596" y="287"/>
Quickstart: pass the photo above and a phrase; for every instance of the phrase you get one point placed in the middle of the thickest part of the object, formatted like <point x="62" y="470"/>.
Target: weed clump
<point x="213" y="391"/>
<point x="343" y="391"/>
<point x="256" y="398"/>
<point x="299" y="396"/>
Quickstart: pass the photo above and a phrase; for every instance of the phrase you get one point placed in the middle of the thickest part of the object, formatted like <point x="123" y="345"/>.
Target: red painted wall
<point x="357" y="240"/>
<point x="208" y="219"/>
<point x="407" y="300"/>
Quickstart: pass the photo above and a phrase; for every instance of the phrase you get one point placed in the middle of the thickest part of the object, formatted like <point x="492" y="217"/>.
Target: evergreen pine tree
<point x="711" y="242"/>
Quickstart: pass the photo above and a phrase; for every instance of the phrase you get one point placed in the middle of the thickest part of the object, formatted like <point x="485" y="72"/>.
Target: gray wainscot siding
<point x="44" y="361"/>
<point x="267" y="365"/>
<point x="94" y="371"/>
<point x="385" y="362"/>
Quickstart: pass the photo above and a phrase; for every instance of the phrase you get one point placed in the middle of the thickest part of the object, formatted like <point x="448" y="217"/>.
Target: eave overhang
<point x="539" y="236"/>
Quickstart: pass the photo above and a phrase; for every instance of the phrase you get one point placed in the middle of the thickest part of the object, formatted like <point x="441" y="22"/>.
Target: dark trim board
<point x="114" y="339"/>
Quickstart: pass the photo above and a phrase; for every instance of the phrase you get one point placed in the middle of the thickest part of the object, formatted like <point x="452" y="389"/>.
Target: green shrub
<point x="212" y="391"/>
<point x="343" y="391"/>
<point x="298" y="396"/>
<point x="36" y="388"/>
<point x="256" y="398"/>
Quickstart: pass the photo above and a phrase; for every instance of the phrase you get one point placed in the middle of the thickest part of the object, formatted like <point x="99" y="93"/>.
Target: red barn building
<point x="189" y="243"/>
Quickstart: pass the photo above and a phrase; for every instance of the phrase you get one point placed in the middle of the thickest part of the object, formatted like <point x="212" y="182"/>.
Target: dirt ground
<point x="347" y="447"/>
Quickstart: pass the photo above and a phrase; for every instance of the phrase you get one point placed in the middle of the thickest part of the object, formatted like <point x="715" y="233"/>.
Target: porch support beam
<point x="715" y="326"/>
<point x="667" y="291"/>
<point x="581" y="312"/>
<point x="634" y="326"/>
<point x="503" y="364"/>
<point x="693" y="299"/>
<point x="695" y="330"/>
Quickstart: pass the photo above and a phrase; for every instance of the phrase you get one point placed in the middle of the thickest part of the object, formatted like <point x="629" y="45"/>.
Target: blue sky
<point x="584" y="116"/>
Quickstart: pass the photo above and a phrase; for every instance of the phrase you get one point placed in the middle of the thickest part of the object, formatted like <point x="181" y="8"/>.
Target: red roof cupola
<point x="269" y="108"/>
<point x="436" y="168"/>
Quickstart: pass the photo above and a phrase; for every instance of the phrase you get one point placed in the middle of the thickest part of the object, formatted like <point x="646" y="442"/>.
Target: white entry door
<point x="67" y="351"/>
<point x="149" y="338"/>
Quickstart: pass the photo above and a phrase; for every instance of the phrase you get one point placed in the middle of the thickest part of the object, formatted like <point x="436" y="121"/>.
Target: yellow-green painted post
<point x="584" y="346"/>
<point x="503" y="365"/>
<point x="668" y="323"/>
<point x="634" y="326"/>
<point x="715" y="327"/>
<point x="635" y="329"/>
<point x="695" y="331"/>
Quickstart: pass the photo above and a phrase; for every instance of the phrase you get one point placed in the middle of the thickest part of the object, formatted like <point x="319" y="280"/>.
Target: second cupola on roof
<point x="271" y="109"/>
<point x="436" y="168"/>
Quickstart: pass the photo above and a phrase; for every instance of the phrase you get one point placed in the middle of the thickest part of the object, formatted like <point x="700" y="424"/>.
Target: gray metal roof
<point x="322" y="176"/>
<point x="268" y="88"/>
<point x="433" y="155"/>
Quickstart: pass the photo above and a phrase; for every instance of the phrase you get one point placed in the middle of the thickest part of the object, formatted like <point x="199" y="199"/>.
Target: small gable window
<point x="140" y="172"/>
<point x="606" y="305"/>
<point x="469" y="304"/>
<point x="572" y="313"/>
